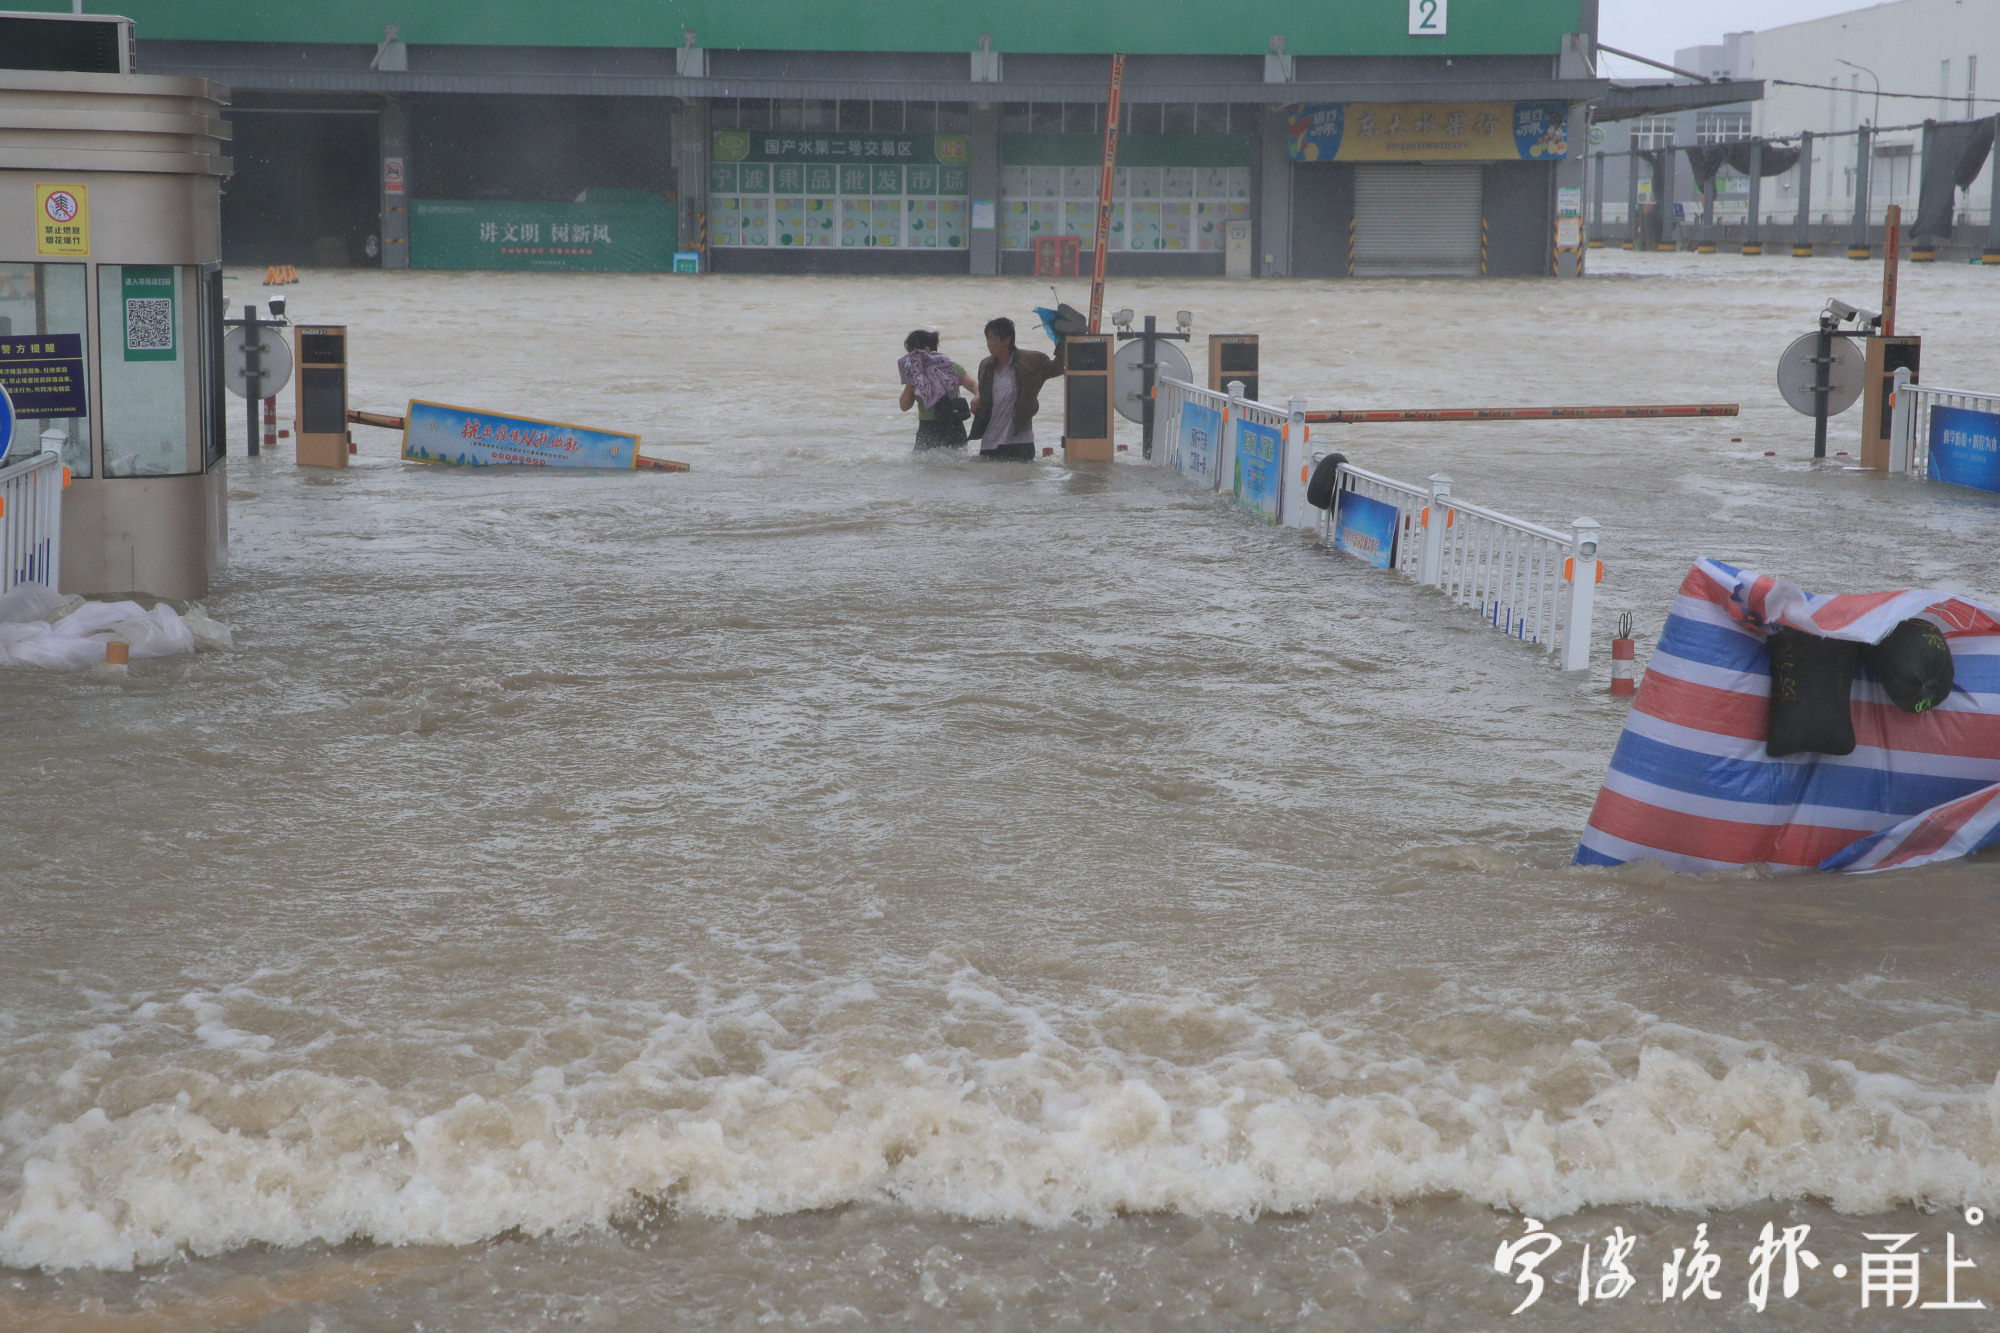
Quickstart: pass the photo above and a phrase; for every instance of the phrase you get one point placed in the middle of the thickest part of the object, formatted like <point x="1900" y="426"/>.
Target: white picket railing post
<point x="1430" y="564"/>
<point x="1583" y="574"/>
<point x="1902" y="422"/>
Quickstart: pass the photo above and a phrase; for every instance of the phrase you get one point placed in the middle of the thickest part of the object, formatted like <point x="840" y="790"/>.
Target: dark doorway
<point x="305" y="191"/>
<point x="1322" y="217"/>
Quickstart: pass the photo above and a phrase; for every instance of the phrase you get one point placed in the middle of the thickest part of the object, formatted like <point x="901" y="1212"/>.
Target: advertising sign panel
<point x="466" y="437"/>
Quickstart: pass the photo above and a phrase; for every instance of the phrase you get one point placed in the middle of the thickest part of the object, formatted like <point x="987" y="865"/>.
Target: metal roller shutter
<point x="1416" y="221"/>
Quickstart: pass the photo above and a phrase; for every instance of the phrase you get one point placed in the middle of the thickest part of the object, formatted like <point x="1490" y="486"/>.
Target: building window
<point x="1650" y="132"/>
<point x="1721" y="126"/>
<point x="869" y="189"/>
<point x="42" y="340"/>
<point x="1177" y="209"/>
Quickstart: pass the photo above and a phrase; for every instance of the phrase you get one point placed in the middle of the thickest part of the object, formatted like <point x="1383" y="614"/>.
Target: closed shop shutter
<point x="1416" y="221"/>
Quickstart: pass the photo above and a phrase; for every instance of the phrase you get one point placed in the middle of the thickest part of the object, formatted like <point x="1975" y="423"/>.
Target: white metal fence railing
<point x="1910" y="421"/>
<point x="31" y="522"/>
<point x="1530" y="582"/>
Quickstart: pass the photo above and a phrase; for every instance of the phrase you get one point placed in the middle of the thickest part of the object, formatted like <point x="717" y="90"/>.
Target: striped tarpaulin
<point x="1690" y="783"/>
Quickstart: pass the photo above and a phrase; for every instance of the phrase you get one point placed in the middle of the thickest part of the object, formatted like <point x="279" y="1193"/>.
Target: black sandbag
<point x="1810" y="681"/>
<point x="1913" y="664"/>
<point x="1319" y="489"/>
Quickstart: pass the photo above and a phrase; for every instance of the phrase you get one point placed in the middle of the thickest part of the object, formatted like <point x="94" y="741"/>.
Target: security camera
<point x="1868" y="319"/>
<point x="1123" y="319"/>
<point x="277" y="304"/>
<point x="1184" y="318"/>
<point x="1839" y="309"/>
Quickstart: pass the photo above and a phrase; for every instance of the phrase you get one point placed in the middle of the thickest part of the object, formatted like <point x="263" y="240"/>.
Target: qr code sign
<point x="149" y="324"/>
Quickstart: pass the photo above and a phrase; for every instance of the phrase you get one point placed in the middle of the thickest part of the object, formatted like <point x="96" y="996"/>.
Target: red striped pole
<point x="1104" y="180"/>
<point x="1634" y="411"/>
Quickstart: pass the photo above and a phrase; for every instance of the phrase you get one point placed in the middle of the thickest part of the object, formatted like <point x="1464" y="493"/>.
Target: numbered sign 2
<point x="1427" y="18"/>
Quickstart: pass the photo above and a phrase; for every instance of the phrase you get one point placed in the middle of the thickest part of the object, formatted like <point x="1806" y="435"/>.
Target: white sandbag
<point x="80" y="629"/>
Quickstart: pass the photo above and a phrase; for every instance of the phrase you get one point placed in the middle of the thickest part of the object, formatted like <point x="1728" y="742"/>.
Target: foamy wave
<point x="1016" y="1114"/>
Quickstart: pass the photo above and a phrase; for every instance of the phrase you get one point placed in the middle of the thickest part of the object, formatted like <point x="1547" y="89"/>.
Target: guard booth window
<point x="152" y="424"/>
<point x="43" y="360"/>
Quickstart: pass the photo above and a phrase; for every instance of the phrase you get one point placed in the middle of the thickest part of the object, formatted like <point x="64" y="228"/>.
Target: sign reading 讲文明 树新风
<point x="623" y="235"/>
<point x="1366" y="528"/>
<point x="1259" y="450"/>
<point x="43" y="373"/>
<point x="1965" y="447"/>
<point x="1428" y="132"/>
<point x="466" y="437"/>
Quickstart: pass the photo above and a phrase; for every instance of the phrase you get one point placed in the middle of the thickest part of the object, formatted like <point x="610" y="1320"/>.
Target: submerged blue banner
<point x="1200" y="431"/>
<point x="1258" y="449"/>
<point x="1965" y="447"/>
<point x="440" y="433"/>
<point x="1366" y="529"/>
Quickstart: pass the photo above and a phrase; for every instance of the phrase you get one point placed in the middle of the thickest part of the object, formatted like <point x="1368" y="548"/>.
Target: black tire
<point x="1319" y="490"/>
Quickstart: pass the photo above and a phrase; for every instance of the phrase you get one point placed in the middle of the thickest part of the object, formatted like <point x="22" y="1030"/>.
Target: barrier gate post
<point x="1431" y="563"/>
<point x="1584" y="571"/>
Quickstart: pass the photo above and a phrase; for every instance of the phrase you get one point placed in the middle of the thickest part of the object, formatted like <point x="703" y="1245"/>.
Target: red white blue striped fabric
<point x="1690" y="783"/>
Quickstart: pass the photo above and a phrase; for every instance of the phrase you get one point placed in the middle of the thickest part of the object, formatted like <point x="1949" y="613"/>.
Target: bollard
<point x="271" y="423"/>
<point x="1622" y="658"/>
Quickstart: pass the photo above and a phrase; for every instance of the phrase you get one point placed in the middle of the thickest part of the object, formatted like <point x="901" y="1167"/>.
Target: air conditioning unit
<point x="67" y="43"/>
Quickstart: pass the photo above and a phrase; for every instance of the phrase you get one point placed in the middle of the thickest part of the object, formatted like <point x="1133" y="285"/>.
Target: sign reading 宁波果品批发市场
<point x="43" y="373"/>
<point x="1259" y="450"/>
<point x="1366" y="528"/>
<point x="466" y="437"/>
<point x="1428" y="132"/>
<point x="1965" y="447"/>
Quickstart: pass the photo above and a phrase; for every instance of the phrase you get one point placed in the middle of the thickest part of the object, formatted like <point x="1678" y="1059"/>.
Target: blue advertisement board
<point x="1201" y="430"/>
<point x="463" y="437"/>
<point x="1366" y="528"/>
<point x="1258" y="451"/>
<point x="1965" y="447"/>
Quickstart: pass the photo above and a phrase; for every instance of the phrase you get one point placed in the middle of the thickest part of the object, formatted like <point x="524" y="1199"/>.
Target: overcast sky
<point x="1658" y="28"/>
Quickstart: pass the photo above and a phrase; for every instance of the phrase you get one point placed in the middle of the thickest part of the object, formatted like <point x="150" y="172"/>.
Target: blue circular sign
<point x="7" y="420"/>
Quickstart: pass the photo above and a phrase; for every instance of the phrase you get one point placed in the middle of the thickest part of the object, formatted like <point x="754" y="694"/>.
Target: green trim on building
<point x="1168" y="27"/>
<point x="1134" y="150"/>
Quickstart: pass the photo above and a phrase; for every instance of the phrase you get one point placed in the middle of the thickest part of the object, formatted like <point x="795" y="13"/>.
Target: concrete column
<point x="1597" y="202"/>
<point x="1753" y="235"/>
<point x="1857" y="243"/>
<point x="1706" y="244"/>
<point x="1992" y="252"/>
<point x="1802" y="237"/>
<point x="395" y="181"/>
<point x="1668" y="240"/>
<point x="1633" y="240"/>
<point x="983" y="179"/>
<point x="1274" y="203"/>
<point x="1570" y="172"/>
<point x="691" y="145"/>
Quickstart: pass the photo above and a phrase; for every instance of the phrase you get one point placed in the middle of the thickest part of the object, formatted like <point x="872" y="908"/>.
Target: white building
<point x="1890" y="67"/>
<point x="1836" y="73"/>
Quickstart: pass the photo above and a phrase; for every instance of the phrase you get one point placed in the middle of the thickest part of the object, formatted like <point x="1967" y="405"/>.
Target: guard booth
<point x="111" y="279"/>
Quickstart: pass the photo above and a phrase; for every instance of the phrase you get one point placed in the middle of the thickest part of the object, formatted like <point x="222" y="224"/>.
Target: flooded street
<point x="841" y="888"/>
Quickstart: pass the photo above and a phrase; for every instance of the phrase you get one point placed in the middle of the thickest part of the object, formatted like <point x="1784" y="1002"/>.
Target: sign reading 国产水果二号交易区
<point x="1428" y="132"/>
<point x="1366" y="528"/>
<point x="43" y="373"/>
<point x="1965" y="447"/>
<point x="466" y="437"/>
<point x="1258" y="451"/>
<point x="626" y="234"/>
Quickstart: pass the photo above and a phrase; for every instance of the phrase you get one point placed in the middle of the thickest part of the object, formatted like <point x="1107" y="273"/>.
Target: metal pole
<point x="1632" y="164"/>
<point x="253" y="366"/>
<point x="1802" y="238"/>
<point x="1597" y="200"/>
<point x="1148" y="368"/>
<point x="1892" y="238"/>
<point x="1753" y="235"/>
<point x="1822" y="386"/>
<point x="1857" y="245"/>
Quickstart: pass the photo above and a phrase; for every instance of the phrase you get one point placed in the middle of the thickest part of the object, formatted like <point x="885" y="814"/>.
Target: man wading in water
<point x="1010" y="384"/>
